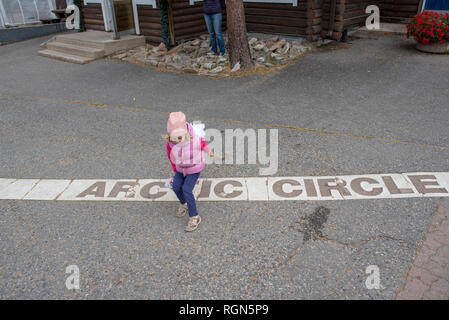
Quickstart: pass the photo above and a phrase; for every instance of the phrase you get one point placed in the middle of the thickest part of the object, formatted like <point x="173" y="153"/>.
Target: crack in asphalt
<point x="269" y="125"/>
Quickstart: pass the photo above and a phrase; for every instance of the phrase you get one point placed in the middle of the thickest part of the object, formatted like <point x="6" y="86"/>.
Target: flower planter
<point x="433" y="47"/>
<point x="430" y="31"/>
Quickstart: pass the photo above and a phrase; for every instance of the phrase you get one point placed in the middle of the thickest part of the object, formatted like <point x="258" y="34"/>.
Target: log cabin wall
<point x="355" y="15"/>
<point x="187" y="21"/>
<point x="92" y="16"/>
<point x="398" y="10"/>
<point x="284" y="18"/>
<point x="310" y="18"/>
<point x="336" y="27"/>
<point x="150" y="23"/>
<point x="349" y="15"/>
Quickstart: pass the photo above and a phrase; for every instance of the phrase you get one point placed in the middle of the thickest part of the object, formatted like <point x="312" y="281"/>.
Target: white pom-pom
<point x="198" y="128"/>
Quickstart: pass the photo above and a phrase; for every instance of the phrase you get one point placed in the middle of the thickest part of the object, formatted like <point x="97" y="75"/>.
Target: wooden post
<point x="171" y="24"/>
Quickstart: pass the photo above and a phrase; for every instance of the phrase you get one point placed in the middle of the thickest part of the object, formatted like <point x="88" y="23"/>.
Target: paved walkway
<point x="428" y="277"/>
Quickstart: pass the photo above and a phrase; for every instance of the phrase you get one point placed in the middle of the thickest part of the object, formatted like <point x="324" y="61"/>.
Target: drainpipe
<point x="332" y="18"/>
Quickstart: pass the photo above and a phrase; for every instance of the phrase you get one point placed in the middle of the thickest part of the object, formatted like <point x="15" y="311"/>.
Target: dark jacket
<point x="213" y="6"/>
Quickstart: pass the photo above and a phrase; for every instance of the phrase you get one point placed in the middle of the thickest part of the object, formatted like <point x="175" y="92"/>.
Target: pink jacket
<point x="187" y="157"/>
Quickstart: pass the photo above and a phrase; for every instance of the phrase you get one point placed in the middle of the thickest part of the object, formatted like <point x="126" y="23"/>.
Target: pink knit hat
<point x="176" y="125"/>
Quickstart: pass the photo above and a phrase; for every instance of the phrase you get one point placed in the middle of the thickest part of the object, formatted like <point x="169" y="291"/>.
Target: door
<point x="124" y="18"/>
<point x="436" y="5"/>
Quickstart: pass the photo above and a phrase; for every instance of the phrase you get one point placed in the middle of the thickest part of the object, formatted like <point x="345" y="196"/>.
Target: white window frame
<point x="106" y="16"/>
<point x="106" y="12"/>
<point x="135" y="13"/>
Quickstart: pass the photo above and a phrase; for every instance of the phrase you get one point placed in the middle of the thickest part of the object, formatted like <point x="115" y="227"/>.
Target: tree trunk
<point x="237" y="38"/>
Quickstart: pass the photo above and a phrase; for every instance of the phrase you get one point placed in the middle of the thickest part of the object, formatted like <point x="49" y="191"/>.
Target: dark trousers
<point x="183" y="188"/>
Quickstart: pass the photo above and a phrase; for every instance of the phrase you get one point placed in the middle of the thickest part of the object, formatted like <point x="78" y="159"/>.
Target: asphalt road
<point x="377" y="106"/>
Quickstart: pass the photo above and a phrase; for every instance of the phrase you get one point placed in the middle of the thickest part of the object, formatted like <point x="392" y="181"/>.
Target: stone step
<point x="70" y="39"/>
<point x="77" y="50"/>
<point x="64" y="56"/>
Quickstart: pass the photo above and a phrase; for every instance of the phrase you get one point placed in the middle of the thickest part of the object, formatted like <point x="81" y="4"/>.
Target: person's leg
<point x="216" y="21"/>
<point x="178" y="182"/>
<point x="187" y="189"/>
<point x="210" y="29"/>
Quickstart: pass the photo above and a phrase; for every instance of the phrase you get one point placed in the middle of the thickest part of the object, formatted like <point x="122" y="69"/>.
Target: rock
<point x="121" y="56"/>
<point x="274" y="39"/>
<point x="285" y="49"/>
<point x="174" y="66"/>
<point x="216" y="70"/>
<point x="190" y="70"/>
<point x="204" y="36"/>
<point x="267" y="64"/>
<point x="202" y="51"/>
<point x="161" y="47"/>
<point x="278" y="45"/>
<point x="189" y="48"/>
<point x="298" y="42"/>
<point x="162" y="65"/>
<point x="222" y="59"/>
<point x="297" y="50"/>
<point x="157" y="54"/>
<point x="152" y="62"/>
<point x="277" y="57"/>
<point x="260" y="59"/>
<point x="259" y="47"/>
<point x="204" y="44"/>
<point x="283" y="62"/>
<point x="236" y="67"/>
<point x="181" y="59"/>
<point x="323" y="42"/>
<point x="208" y="65"/>
<point x="196" y="42"/>
<point x="252" y="41"/>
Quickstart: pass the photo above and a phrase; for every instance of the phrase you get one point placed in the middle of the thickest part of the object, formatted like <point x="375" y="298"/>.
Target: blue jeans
<point x="213" y="23"/>
<point x="183" y="187"/>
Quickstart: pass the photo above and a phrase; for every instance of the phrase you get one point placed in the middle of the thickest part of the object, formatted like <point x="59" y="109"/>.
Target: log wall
<point x="187" y="21"/>
<point x="311" y="18"/>
<point x="150" y="23"/>
<point x="398" y="10"/>
<point x="92" y="16"/>
<point x="283" y="18"/>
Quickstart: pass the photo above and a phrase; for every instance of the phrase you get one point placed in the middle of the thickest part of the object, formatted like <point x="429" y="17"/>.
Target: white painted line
<point x="18" y="189"/>
<point x="347" y="187"/>
<point x="257" y="189"/>
<point x="46" y="190"/>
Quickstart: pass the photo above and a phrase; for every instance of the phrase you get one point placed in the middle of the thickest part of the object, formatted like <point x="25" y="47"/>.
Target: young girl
<point x="185" y="152"/>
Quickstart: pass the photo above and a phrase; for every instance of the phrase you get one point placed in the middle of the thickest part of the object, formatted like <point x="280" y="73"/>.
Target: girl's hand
<point x="211" y="154"/>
